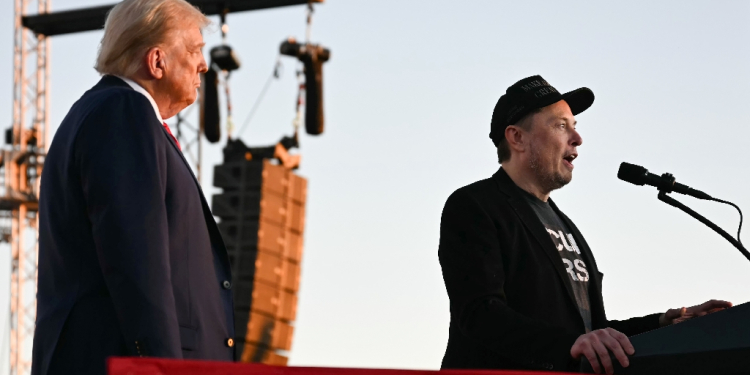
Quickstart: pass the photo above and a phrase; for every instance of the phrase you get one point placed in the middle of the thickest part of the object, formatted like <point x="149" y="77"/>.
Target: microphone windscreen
<point x="635" y="174"/>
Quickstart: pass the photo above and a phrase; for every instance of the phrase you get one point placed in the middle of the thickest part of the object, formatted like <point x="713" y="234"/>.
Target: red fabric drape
<point x="153" y="366"/>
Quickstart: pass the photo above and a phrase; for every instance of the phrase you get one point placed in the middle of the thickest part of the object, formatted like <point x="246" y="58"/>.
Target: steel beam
<point x="87" y="19"/>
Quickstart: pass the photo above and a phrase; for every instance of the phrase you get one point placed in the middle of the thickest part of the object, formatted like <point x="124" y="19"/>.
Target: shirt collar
<point x="143" y="91"/>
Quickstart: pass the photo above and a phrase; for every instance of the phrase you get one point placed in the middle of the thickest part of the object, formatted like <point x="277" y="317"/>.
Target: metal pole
<point x="19" y="110"/>
<point x="23" y="163"/>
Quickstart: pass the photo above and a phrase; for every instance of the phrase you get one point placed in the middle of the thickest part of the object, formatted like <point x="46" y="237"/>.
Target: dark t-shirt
<point x="566" y="246"/>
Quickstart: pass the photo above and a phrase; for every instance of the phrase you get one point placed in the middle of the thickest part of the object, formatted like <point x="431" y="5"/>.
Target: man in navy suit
<point x="131" y="262"/>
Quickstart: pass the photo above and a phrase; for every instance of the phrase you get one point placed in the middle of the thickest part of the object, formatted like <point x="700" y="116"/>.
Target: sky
<point x="409" y="93"/>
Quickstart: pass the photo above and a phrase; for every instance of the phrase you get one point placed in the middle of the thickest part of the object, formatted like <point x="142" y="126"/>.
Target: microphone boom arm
<point x="675" y="203"/>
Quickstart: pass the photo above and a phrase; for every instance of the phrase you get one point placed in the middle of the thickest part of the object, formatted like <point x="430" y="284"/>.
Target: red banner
<point x="153" y="366"/>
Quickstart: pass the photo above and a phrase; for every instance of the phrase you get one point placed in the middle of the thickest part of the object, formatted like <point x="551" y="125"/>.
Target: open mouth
<point x="569" y="159"/>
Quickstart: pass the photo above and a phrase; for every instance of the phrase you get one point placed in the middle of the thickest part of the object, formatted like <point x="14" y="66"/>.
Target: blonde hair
<point x="135" y="26"/>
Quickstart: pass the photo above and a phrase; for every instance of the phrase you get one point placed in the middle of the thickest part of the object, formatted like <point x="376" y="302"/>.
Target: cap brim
<point x="579" y="100"/>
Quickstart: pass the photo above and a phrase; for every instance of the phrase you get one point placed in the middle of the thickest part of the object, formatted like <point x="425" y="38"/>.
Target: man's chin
<point x="190" y="101"/>
<point x="558" y="181"/>
<point x="175" y="110"/>
<point x="565" y="178"/>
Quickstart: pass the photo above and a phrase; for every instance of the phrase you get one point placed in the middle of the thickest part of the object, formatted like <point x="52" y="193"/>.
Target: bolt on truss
<point x="21" y="162"/>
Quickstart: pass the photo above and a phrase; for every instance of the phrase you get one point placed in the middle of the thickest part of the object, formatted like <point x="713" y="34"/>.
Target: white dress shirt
<point x="143" y="91"/>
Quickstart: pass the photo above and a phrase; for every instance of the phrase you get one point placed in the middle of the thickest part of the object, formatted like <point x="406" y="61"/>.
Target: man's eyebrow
<point x="567" y="119"/>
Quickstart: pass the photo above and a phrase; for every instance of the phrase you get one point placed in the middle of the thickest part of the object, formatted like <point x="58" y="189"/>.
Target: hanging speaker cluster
<point x="261" y="218"/>
<point x="210" y="119"/>
<point x="312" y="57"/>
<point x="223" y="58"/>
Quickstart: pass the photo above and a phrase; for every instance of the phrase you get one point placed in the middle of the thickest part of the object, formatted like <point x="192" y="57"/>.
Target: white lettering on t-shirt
<point x="553" y="233"/>
<point x="580" y="266"/>
<point x="569" y="268"/>
<point x="573" y="243"/>
<point x="576" y="268"/>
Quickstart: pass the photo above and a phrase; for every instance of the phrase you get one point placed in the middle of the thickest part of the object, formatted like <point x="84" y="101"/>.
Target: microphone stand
<point x="675" y="203"/>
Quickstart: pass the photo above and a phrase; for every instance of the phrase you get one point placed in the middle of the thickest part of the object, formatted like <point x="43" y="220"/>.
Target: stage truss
<point x="21" y="164"/>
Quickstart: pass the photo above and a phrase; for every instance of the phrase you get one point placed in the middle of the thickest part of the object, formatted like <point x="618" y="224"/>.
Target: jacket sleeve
<point x="123" y="171"/>
<point x="473" y="270"/>
<point x="635" y="326"/>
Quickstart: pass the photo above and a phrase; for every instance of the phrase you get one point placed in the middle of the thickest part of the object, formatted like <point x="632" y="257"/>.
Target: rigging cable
<point x="277" y="69"/>
<point x="230" y="123"/>
<point x="276" y="74"/>
<point x="301" y="84"/>
<point x="308" y="30"/>
<point x="299" y="103"/>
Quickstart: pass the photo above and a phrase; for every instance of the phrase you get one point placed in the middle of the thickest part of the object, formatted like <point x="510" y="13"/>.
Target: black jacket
<point x="131" y="261"/>
<point x="511" y="304"/>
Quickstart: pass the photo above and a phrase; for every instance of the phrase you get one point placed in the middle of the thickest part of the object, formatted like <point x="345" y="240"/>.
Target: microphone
<point x="637" y="175"/>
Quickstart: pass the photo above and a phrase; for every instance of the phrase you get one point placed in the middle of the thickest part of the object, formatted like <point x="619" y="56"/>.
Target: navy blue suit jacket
<point x="131" y="261"/>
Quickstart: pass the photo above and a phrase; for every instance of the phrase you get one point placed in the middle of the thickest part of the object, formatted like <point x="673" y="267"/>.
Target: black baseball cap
<point x="529" y="94"/>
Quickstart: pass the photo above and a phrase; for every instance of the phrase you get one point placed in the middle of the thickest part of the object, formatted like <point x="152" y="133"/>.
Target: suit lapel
<point x="210" y="222"/>
<point x="535" y="227"/>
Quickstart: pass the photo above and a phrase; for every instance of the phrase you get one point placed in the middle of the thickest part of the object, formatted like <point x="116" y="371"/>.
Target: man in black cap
<point x="525" y="291"/>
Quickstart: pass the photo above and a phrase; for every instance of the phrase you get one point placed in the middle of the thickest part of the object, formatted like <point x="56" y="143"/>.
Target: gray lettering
<point x="532" y="85"/>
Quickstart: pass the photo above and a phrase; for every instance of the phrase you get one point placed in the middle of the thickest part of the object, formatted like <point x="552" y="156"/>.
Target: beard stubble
<point x="550" y="180"/>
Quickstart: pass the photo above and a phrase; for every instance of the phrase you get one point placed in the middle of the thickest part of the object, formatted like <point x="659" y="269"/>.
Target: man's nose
<point x="576" y="139"/>
<point x="203" y="67"/>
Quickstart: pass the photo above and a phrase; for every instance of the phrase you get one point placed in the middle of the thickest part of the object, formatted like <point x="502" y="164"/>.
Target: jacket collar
<point x="135" y="86"/>
<point x="108" y="81"/>
<point x="118" y="81"/>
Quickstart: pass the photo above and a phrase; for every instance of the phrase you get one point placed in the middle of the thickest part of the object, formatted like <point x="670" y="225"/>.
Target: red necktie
<point x="170" y="134"/>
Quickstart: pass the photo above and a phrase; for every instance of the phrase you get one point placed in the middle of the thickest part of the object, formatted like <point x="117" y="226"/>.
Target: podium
<point x="715" y="344"/>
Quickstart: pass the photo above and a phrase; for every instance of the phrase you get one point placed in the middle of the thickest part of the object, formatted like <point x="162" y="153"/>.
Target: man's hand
<point x="674" y="316"/>
<point x="600" y="343"/>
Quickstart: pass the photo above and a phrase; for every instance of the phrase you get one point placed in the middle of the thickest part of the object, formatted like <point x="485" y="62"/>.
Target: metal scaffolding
<point x="190" y="138"/>
<point x="21" y="164"/>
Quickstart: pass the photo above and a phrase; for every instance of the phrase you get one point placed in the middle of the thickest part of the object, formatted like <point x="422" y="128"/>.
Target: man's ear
<point x="515" y="138"/>
<point x="155" y="62"/>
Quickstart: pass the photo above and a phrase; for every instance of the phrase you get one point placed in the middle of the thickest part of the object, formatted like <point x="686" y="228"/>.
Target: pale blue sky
<point x="409" y="93"/>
